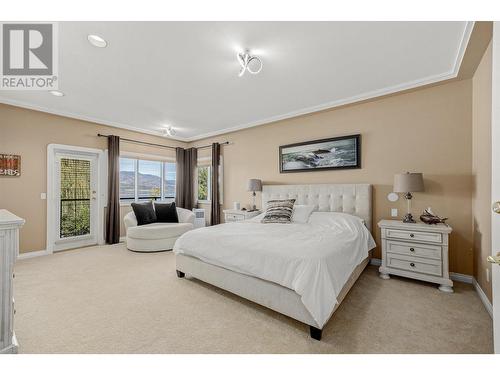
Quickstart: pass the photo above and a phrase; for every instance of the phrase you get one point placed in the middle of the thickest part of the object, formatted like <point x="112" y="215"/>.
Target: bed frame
<point x="355" y="199"/>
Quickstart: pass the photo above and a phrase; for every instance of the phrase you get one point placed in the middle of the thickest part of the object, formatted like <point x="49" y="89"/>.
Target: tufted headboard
<point x="355" y="199"/>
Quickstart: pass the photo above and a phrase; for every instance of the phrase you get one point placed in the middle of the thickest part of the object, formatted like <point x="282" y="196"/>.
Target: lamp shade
<point x="254" y="185"/>
<point x="408" y="182"/>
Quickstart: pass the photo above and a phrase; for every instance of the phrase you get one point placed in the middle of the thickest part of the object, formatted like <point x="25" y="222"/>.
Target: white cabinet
<point x="9" y="250"/>
<point x="238" y="215"/>
<point x="419" y="251"/>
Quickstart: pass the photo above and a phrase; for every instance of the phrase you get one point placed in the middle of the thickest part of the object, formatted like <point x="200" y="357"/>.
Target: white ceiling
<point x="185" y="74"/>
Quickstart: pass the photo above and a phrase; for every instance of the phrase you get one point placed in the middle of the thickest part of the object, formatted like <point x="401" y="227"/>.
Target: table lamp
<point x="254" y="185"/>
<point x="408" y="183"/>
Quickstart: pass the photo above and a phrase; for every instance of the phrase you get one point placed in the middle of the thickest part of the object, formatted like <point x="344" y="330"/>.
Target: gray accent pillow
<point x="279" y="211"/>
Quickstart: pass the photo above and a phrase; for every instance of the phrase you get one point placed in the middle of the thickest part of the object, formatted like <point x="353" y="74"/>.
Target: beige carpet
<point x="109" y="300"/>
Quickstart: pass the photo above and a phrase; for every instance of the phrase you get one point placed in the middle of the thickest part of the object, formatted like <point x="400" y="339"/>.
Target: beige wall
<point x="481" y="169"/>
<point x="27" y="133"/>
<point x="426" y="130"/>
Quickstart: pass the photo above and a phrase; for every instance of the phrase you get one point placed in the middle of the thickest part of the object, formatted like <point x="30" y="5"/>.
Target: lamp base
<point x="254" y="207"/>
<point x="408" y="218"/>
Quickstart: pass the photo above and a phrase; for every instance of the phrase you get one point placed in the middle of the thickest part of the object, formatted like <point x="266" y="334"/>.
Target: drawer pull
<point x="412" y="235"/>
<point x="412" y="249"/>
<point x="412" y="264"/>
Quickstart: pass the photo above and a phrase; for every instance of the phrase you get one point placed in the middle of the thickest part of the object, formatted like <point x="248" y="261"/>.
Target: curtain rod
<point x="154" y="144"/>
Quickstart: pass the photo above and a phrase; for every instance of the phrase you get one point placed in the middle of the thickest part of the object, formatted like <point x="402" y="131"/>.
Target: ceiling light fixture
<point x="56" y="93"/>
<point x="169" y="132"/>
<point x="248" y="62"/>
<point x="97" y="41"/>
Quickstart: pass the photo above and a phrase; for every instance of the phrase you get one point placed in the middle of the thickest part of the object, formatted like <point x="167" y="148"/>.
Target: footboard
<point x="265" y="293"/>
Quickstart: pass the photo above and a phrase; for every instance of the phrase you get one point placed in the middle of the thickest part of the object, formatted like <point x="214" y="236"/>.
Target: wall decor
<point x="392" y="197"/>
<point x="331" y="153"/>
<point x="10" y="165"/>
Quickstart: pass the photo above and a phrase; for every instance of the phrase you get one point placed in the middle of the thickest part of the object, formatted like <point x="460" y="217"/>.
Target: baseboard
<point x="482" y="296"/>
<point x="39" y="253"/>
<point x="33" y="254"/>
<point x="468" y="279"/>
<point x="375" y="262"/>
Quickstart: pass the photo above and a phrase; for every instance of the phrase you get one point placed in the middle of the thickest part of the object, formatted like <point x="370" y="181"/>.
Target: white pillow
<point x="301" y="213"/>
<point x="333" y="218"/>
<point x="257" y="218"/>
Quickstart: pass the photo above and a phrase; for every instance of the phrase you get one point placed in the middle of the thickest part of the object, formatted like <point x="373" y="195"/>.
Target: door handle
<point x="496" y="207"/>
<point x="495" y="259"/>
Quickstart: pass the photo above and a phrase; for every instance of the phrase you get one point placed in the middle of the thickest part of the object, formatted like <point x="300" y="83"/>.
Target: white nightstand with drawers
<point x="419" y="251"/>
<point x="238" y="215"/>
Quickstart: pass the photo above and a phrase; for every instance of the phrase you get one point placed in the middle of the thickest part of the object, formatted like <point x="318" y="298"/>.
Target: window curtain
<point x="185" y="177"/>
<point x="113" y="211"/>
<point x="215" y="195"/>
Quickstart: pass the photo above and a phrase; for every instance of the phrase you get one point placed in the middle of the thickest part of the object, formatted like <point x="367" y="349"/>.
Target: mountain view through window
<point x="146" y="180"/>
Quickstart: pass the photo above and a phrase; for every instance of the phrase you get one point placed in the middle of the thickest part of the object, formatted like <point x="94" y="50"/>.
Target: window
<point x="75" y="198"/>
<point x="142" y="180"/>
<point x="127" y="179"/>
<point x="204" y="182"/>
<point x="169" y="180"/>
<point x="149" y="180"/>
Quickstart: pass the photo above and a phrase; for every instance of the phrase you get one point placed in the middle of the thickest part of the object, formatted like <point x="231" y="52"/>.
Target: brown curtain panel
<point x="186" y="167"/>
<point x="113" y="211"/>
<point x="215" y="196"/>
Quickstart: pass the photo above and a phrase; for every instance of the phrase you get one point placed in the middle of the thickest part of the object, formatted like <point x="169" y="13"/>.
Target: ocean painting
<point x="333" y="153"/>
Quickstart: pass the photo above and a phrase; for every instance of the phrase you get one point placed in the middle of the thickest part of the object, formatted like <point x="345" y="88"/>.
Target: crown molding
<point x="453" y="73"/>
<point x="18" y="103"/>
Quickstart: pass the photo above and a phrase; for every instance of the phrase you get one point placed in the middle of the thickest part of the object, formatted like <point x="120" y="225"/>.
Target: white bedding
<point x="315" y="259"/>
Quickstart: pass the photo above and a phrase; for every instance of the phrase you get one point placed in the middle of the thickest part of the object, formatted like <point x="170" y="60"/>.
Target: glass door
<point x="76" y="200"/>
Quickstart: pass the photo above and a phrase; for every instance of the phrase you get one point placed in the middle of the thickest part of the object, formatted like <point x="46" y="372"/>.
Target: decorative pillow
<point x="301" y="213"/>
<point x="166" y="213"/>
<point x="144" y="213"/>
<point x="279" y="211"/>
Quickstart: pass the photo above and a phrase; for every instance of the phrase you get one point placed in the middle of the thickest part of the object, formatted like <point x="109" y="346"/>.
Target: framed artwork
<point x="323" y="154"/>
<point x="10" y="165"/>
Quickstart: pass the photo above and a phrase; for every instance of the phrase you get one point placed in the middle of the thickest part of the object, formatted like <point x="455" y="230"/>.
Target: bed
<point x="302" y="270"/>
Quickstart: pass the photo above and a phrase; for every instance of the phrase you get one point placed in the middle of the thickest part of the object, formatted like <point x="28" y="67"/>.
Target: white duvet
<point x="314" y="259"/>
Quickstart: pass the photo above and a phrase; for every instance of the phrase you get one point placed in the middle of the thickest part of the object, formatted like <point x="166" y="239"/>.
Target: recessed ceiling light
<point x="56" y="93"/>
<point x="97" y="41"/>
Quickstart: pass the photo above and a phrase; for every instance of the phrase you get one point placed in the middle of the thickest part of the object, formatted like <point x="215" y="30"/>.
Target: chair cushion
<point x="158" y="231"/>
<point x="166" y="213"/>
<point x="144" y="213"/>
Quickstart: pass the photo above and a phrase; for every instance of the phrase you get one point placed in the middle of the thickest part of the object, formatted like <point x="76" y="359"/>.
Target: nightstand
<point x="418" y="251"/>
<point x="238" y="215"/>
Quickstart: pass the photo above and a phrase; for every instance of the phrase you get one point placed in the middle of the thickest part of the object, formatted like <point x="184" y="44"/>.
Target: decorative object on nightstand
<point x="408" y="183"/>
<point x="428" y="217"/>
<point x="238" y="215"/>
<point x="253" y="186"/>
<point x="418" y="251"/>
